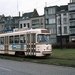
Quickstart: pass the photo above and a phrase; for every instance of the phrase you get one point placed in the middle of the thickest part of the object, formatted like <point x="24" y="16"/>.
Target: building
<point x="62" y="18"/>
<point x="37" y="22"/>
<point x="57" y="20"/>
<point x="31" y="20"/>
<point x="25" y="21"/>
<point x="2" y="25"/>
<point x="71" y="9"/>
<point x="11" y="23"/>
<point x="50" y="21"/>
<point x="8" y="23"/>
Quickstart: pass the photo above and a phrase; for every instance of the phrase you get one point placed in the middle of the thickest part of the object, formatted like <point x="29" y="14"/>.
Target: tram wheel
<point x="19" y="53"/>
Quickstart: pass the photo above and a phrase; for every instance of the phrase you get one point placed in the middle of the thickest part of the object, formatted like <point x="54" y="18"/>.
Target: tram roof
<point x="22" y="32"/>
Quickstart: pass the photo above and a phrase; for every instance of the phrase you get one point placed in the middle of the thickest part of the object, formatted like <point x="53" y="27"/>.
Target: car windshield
<point x="41" y="38"/>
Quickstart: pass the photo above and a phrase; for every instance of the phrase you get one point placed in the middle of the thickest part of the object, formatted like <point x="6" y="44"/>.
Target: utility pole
<point x="17" y="6"/>
<point x="60" y="33"/>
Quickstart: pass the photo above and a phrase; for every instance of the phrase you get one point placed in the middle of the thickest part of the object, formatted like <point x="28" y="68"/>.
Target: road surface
<point x="10" y="67"/>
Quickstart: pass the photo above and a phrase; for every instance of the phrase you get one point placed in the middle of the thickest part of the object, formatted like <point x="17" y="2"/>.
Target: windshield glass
<point x="43" y="38"/>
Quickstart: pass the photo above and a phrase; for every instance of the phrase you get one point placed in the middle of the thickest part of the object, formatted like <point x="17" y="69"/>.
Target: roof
<point x="59" y="8"/>
<point x="64" y="7"/>
<point x="51" y="7"/>
<point x="27" y="15"/>
<point x="30" y="14"/>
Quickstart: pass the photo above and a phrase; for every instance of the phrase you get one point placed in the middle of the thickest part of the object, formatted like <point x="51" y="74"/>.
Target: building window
<point x="51" y="11"/>
<point x="51" y="21"/>
<point x="20" y="25"/>
<point x="72" y="23"/>
<point x="64" y="20"/>
<point x="72" y="31"/>
<point x="28" y="25"/>
<point x="47" y="21"/>
<point x="65" y="29"/>
<point x="35" y="22"/>
<point x="72" y="15"/>
<point x="53" y="31"/>
<point x="58" y="30"/>
<point x="72" y="7"/>
<point x="24" y="25"/>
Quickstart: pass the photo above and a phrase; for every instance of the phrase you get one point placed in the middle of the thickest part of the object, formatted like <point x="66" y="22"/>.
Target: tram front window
<point x="41" y="38"/>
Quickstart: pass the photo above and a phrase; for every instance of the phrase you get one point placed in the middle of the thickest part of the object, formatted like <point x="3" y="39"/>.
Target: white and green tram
<point x="33" y="42"/>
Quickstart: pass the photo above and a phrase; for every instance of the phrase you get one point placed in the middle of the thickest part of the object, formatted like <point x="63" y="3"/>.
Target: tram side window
<point x="16" y="39"/>
<point x="33" y="38"/>
<point x="22" y="39"/>
<point x="2" y="40"/>
<point x="11" y="39"/>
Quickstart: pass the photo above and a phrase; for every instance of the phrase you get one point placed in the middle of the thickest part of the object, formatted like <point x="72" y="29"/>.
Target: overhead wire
<point x="44" y="4"/>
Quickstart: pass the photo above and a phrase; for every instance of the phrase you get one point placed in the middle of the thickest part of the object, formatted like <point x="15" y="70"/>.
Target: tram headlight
<point x="47" y="48"/>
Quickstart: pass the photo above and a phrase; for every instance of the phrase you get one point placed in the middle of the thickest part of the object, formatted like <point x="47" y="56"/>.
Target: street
<point x="10" y="67"/>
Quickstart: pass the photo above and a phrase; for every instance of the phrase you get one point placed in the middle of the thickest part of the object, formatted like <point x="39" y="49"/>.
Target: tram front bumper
<point x="47" y="52"/>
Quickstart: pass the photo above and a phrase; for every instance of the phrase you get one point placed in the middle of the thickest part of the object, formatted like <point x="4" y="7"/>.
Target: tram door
<point x="31" y="46"/>
<point x="6" y="45"/>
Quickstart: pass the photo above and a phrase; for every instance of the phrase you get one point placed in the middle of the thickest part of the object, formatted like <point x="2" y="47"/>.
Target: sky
<point x="12" y="7"/>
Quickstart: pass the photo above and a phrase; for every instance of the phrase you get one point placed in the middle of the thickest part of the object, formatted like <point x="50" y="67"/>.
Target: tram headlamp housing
<point x="47" y="47"/>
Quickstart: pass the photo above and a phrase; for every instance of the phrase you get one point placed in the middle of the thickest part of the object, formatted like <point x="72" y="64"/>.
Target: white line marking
<point x="5" y="69"/>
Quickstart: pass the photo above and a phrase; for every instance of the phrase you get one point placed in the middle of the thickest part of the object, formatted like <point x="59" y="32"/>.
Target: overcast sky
<point x="12" y="7"/>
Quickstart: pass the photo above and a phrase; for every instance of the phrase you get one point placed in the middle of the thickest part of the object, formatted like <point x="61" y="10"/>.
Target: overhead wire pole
<point x="17" y="6"/>
<point x="60" y="33"/>
<point x="36" y="5"/>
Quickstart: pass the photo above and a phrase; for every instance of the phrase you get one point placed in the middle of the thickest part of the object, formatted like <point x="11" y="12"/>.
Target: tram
<point x="33" y="42"/>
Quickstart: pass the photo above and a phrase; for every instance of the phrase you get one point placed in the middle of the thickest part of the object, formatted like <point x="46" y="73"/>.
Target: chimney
<point x="19" y="14"/>
<point x="45" y="4"/>
<point x="72" y="1"/>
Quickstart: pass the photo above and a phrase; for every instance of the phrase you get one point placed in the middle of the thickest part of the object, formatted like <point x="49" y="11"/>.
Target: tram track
<point x="22" y="58"/>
